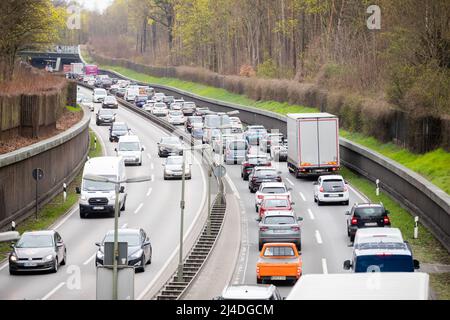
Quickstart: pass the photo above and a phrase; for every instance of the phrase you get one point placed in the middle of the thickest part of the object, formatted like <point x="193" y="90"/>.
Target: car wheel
<point x="256" y="208"/>
<point x="319" y="203"/>
<point x="123" y="205"/>
<point x="260" y="245"/>
<point x="315" y="199"/>
<point x="142" y="269"/>
<point x="348" y="232"/>
<point x="82" y="215"/>
<point x="352" y="238"/>
<point x="299" y="246"/>
<point x="259" y="281"/>
<point x="63" y="262"/>
<point x="252" y="190"/>
<point x="55" y="267"/>
<point x="150" y="259"/>
<point x="346" y="202"/>
<point x="97" y="123"/>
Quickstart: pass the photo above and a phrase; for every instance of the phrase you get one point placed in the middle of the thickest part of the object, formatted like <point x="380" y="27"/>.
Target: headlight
<point x="112" y="197"/>
<point x="13" y="258"/>
<point x="83" y="197"/>
<point x="169" y="171"/>
<point x="48" y="258"/>
<point x="136" y="255"/>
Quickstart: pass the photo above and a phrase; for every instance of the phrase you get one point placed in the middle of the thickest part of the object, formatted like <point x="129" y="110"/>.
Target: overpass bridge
<point x="56" y="56"/>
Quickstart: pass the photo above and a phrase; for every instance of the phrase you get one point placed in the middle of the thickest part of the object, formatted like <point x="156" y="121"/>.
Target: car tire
<point x="256" y="208"/>
<point x="140" y="164"/>
<point x="12" y="272"/>
<point x="260" y="245"/>
<point x="299" y="246"/>
<point x="97" y="123"/>
<point x="252" y="190"/>
<point x="63" y="262"/>
<point x="352" y="238"/>
<point x="150" y="259"/>
<point x="346" y="202"/>
<point x="259" y="281"/>
<point x="123" y="205"/>
<point x="55" y="267"/>
<point x="82" y="215"/>
<point x="319" y="203"/>
<point x="142" y="268"/>
<point x="315" y="200"/>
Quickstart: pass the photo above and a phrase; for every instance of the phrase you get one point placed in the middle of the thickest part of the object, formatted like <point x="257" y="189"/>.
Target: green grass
<point x="434" y="165"/>
<point x="48" y="214"/>
<point x="441" y="284"/>
<point x="73" y="109"/>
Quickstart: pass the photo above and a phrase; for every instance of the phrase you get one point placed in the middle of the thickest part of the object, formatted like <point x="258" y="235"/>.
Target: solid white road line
<point x="90" y="259"/>
<point x="311" y="215"/>
<point x="149" y="191"/>
<point x="149" y="156"/>
<point x="290" y="182"/>
<point x="53" y="291"/>
<point x="4" y="266"/>
<point x="138" y="208"/>
<point x="318" y="237"/>
<point x="302" y="195"/>
<point x="324" y="266"/>
<point x="358" y="194"/>
<point x="233" y="186"/>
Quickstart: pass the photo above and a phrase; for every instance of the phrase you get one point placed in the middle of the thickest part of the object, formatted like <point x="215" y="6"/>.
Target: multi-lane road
<point x="154" y="206"/>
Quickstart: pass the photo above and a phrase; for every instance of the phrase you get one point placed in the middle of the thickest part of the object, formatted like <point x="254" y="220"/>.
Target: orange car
<point x="279" y="261"/>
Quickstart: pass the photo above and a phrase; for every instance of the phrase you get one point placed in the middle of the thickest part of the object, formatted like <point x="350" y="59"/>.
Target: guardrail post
<point x="377" y="190"/>
<point x="64" y="192"/>
<point x="416" y="227"/>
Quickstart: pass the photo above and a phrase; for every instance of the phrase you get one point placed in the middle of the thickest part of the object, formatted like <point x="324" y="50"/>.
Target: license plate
<point x="278" y="278"/>
<point x="99" y="208"/>
<point x="334" y="195"/>
<point x="30" y="264"/>
<point x="279" y="231"/>
<point x="371" y="224"/>
<point x="319" y="170"/>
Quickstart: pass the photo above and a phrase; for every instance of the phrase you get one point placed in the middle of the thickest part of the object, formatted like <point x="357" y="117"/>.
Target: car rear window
<point x="120" y="127"/>
<point x="279" y="220"/>
<point x="276" y="203"/>
<point x="279" y="251"/>
<point x="273" y="190"/>
<point x="369" y="212"/>
<point x="384" y="263"/>
<point x="333" y="185"/>
<point x="238" y="145"/>
<point x="262" y="173"/>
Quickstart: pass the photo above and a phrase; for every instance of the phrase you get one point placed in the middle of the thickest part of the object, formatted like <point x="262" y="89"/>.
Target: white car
<point x="148" y="106"/>
<point x="87" y="103"/>
<point x="270" y="189"/>
<point x="91" y="82"/>
<point x="176" y="117"/>
<point x="130" y="148"/>
<point x="159" y="96"/>
<point x="99" y="95"/>
<point x="332" y="188"/>
<point x="159" y="109"/>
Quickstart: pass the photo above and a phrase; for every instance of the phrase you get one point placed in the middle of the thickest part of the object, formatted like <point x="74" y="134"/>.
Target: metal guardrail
<point x="413" y="192"/>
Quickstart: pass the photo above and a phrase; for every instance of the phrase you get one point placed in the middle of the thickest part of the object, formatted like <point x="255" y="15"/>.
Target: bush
<point x="267" y="69"/>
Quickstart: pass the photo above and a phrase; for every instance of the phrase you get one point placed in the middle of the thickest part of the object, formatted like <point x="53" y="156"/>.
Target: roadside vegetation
<point x="55" y="209"/>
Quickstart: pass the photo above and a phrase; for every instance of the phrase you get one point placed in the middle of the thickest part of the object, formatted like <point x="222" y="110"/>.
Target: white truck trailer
<point x="313" y="143"/>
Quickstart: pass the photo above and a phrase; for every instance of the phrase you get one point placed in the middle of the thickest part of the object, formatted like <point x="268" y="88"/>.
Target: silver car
<point x="173" y="168"/>
<point x="279" y="226"/>
<point x="236" y="151"/>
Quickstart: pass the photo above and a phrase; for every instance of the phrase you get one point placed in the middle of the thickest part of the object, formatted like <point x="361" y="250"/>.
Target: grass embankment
<point x="52" y="211"/>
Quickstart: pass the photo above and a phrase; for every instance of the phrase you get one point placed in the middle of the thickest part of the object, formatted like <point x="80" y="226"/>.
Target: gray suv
<point x="280" y="226"/>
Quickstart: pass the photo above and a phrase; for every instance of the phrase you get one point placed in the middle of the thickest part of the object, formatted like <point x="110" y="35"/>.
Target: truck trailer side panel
<point x="328" y="142"/>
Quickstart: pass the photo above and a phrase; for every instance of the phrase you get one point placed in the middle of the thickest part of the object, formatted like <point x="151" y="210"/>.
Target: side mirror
<point x="13" y="245"/>
<point x="347" y="213"/>
<point x="122" y="189"/>
<point x="387" y="211"/>
<point x="258" y="219"/>
<point x="60" y="244"/>
<point x="416" y="264"/>
<point x="97" y="244"/>
<point x="299" y="218"/>
<point x="115" y="149"/>
<point x="289" y="189"/>
<point x="78" y="190"/>
<point x="315" y="183"/>
<point x="347" y="265"/>
<point x="292" y="203"/>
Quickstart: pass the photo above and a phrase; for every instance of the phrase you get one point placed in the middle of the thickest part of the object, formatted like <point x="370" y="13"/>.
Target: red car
<point x="279" y="203"/>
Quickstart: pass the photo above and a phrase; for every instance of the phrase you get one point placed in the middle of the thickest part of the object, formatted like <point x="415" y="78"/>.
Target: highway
<point x="153" y="206"/>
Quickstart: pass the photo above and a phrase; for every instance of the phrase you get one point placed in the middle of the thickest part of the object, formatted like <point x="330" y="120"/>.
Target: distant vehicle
<point x="235" y="120"/>
<point x="77" y="68"/>
<point x="259" y="175"/>
<point x="366" y="215"/>
<point x="260" y="160"/>
<point x="105" y="116"/>
<point x="275" y="203"/>
<point x="123" y="83"/>
<point x="130" y="148"/>
<point x="188" y="108"/>
<point x="139" y="247"/>
<point x="106" y="82"/>
<point x="140" y="100"/>
<point x="386" y="286"/>
<point x="279" y="153"/>
<point x="159" y="96"/>
<point x="91" y="69"/>
<point x="271" y="139"/>
<point x="176" y="117"/>
<point x="279" y="262"/>
<point x="191" y="120"/>
<point x="168" y="100"/>
<point x="267" y="189"/>
<point x="201" y="111"/>
<point x="148" y="106"/>
<point x="250" y="292"/>
<point x="211" y="121"/>
<point x="313" y="143"/>
<point x="173" y="168"/>
<point x="87" y="103"/>
<point x="100" y="197"/>
<point x="117" y="130"/>
<point x="176" y="106"/>
<point x="38" y="251"/>
<point x="114" y="88"/>
<point x="254" y="134"/>
<point x="110" y="102"/>
<point x="237" y="129"/>
<point x="381" y="250"/>
<point x="99" y="95"/>
<point x="235" y="151"/>
<point x="121" y="92"/>
<point x="331" y="189"/>
<point x="131" y="93"/>
<point x="160" y="109"/>
<point x="197" y="131"/>
<point x="223" y="141"/>
<point x="169" y="145"/>
<point x="280" y="226"/>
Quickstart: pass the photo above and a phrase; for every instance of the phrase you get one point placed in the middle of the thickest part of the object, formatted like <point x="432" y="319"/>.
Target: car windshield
<point x="384" y="263"/>
<point x="128" y="146"/>
<point x="131" y="239"/>
<point x="110" y="99"/>
<point x="170" y="140"/>
<point x="172" y="161"/>
<point x="176" y="114"/>
<point x="189" y="104"/>
<point x="35" y="241"/>
<point x="276" y="203"/>
<point x="273" y="190"/>
<point x="333" y="185"/>
<point x="238" y="145"/>
<point x="89" y="185"/>
<point x="119" y="127"/>
<point x="262" y="173"/>
<point x="369" y="212"/>
<point x="106" y="112"/>
<point x="279" y="252"/>
<point x="160" y="105"/>
<point x="100" y="92"/>
<point x="279" y="220"/>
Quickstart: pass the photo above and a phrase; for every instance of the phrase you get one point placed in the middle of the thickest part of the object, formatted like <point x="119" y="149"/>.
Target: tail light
<point x="257" y="270"/>
<point x="263" y="229"/>
<point x="321" y="189"/>
<point x="386" y="220"/>
<point x="354" y="221"/>
<point x="269" y="164"/>
<point x="260" y="196"/>
<point x="279" y="179"/>
<point x="299" y="271"/>
<point x="295" y="228"/>
<point x="261" y="212"/>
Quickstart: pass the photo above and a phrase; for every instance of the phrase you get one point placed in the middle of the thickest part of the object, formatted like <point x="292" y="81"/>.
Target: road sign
<point x="220" y="171"/>
<point x="125" y="283"/>
<point x="38" y="174"/>
<point x="108" y="259"/>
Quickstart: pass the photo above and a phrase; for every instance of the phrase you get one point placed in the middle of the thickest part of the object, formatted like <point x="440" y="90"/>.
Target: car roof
<point x="332" y="177"/>
<point x="250" y="292"/>
<point x="377" y="234"/>
<point x="368" y="205"/>
<point x="39" y="232"/>
<point x="272" y="184"/>
<point x="129" y="138"/>
<point x="99" y="165"/>
<point x="124" y="231"/>
<point x="272" y="213"/>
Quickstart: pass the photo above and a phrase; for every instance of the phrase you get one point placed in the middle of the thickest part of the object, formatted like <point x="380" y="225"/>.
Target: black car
<point x="139" y="247"/>
<point x="140" y="100"/>
<point x="260" y="175"/>
<point x="366" y="215"/>
<point x="117" y="130"/>
<point x="38" y="251"/>
<point x="110" y="102"/>
<point x="252" y="161"/>
<point x="105" y="116"/>
<point x="190" y="121"/>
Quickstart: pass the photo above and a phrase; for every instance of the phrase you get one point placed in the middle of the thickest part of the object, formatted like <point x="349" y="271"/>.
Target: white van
<point x="97" y="196"/>
<point x="99" y="94"/>
<point x="131" y="93"/>
<point x="130" y="148"/>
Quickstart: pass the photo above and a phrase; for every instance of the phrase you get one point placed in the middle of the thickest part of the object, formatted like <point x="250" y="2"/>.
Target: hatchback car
<point x="117" y="130"/>
<point x="160" y="109"/>
<point x="275" y="203"/>
<point x="366" y="215"/>
<point x="38" y="251"/>
<point x="169" y="145"/>
<point x="188" y="108"/>
<point x="139" y="247"/>
<point x="271" y="139"/>
<point x="105" y="116"/>
<point x="254" y="160"/>
<point x="235" y="151"/>
<point x="176" y="117"/>
<point x="268" y="189"/>
<point x="110" y="102"/>
<point x="140" y="100"/>
<point x="331" y="189"/>
<point x="260" y="175"/>
<point x="173" y="168"/>
<point x="279" y="226"/>
<point x="168" y="100"/>
<point x="87" y="103"/>
<point x="159" y="96"/>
